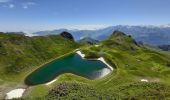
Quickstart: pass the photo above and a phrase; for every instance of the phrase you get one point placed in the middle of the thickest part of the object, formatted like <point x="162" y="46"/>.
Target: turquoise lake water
<point x="73" y="63"/>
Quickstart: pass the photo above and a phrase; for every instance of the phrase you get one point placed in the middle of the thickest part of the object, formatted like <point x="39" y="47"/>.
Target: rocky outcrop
<point x="67" y="35"/>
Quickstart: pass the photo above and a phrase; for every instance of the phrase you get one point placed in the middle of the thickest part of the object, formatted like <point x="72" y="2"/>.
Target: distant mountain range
<point x="88" y="40"/>
<point x="153" y="35"/>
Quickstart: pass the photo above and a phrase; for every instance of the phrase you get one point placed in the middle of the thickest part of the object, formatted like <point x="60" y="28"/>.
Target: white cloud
<point x="86" y="26"/>
<point x="4" y="1"/>
<point x="11" y="5"/>
<point x="31" y="28"/>
<point x="25" y="7"/>
<point x="28" y="4"/>
<point x="69" y="27"/>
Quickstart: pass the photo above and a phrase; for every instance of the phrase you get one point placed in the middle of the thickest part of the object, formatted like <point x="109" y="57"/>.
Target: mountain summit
<point x="120" y="40"/>
<point x="118" y="33"/>
<point x="67" y="35"/>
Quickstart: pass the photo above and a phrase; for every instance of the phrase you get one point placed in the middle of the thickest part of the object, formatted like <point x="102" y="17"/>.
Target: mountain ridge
<point x="153" y="35"/>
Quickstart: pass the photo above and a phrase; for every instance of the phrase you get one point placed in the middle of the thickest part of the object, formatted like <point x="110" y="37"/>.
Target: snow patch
<point x="82" y="55"/>
<point x="96" y="45"/>
<point x="51" y="82"/>
<point x="102" y="59"/>
<point x="17" y="93"/>
<point x="144" y="80"/>
<point x="104" y="72"/>
<point x="30" y="34"/>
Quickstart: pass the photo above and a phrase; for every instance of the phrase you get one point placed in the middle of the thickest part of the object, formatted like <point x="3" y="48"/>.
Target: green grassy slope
<point x="131" y="62"/>
<point x="20" y="55"/>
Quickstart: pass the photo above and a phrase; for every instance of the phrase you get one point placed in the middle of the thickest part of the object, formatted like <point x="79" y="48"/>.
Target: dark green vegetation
<point x="132" y="63"/>
<point x="72" y="91"/>
<point x="136" y="91"/>
<point x="73" y="63"/>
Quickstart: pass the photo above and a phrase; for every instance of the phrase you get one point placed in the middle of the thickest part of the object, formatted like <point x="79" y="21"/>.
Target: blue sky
<point x="35" y="15"/>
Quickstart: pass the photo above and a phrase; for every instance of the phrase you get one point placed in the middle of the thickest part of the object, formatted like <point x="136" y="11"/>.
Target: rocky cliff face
<point x="67" y="35"/>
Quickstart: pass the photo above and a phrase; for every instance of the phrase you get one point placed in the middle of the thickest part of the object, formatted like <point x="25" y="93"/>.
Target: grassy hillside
<point x="20" y="55"/>
<point x="131" y="62"/>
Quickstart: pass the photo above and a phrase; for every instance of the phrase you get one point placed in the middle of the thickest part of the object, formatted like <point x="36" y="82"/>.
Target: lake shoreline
<point x="100" y="59"/>
<point x="78" y="52"/>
